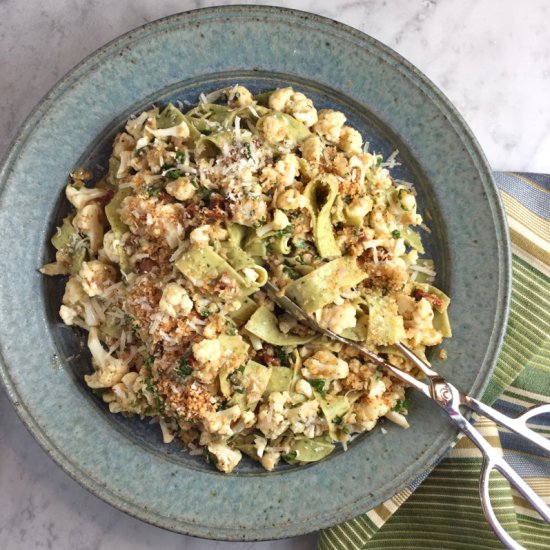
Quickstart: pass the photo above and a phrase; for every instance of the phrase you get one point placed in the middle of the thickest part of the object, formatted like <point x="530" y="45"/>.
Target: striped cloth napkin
<point x="442" y="510"/>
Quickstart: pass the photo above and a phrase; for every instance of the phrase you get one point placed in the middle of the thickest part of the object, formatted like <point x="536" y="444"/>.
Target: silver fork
<point x="450" y="399"/>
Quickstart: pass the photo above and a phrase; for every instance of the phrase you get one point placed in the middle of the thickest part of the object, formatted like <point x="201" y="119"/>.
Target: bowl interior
<point x="381" y="138"/>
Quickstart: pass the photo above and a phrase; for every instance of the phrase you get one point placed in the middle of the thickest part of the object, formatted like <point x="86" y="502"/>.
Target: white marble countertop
<point x="491" y="58"/>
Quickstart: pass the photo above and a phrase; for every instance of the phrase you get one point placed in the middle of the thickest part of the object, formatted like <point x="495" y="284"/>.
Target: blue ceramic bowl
<point x="124" y="461"/>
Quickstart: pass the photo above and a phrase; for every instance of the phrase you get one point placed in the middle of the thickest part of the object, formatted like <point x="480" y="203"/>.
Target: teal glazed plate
<point x="123" y="461"/>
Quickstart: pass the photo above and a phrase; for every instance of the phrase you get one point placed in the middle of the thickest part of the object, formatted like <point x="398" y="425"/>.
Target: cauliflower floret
<point x="280" y="221"/>
<point x="301" y="108"/>
<point x="269" y="460"/>
<point x="304" y="417"/>
<point x="304" y="387"/>
<point x="350" y="141"/>
<point x="207" y="351"/>
<point x="175" y="301"/>
<point x="124" y="394"/>
<point x="367" y="411"/>
<point x="274" y="128"/>
<point x="226" y="458"/>
<point x="68" y="315"/>
<point x="330" y="125"/>
<point x="181" y="130"/>
<point x="338" y="318"/>
<point x="260" y="443"/>
<point x="219" y="422"/>
<point x="200" y="236"/>
<point x="279" y="98"/>
<point x="294" y="103"/>
<point x="421" y="330"/>
<point x="404" y="205"/>
<point x="239" y="96"/>
<point x="79" y="197"/>
<point x="89" y="221"/>
<point x="96" y="277"/>
<point x="134" y="126"/>
<point x="78" y="307"/>
<point x="109" y="370"/>
<point x="324" y="364"/>
<point x="110" y="247"/>
<point x="291" y="199"/>
<point x="378" y="386"/>
<point x="312" y="149"/>
<point x="288" y="168"/>
<point x="359" y="207"/>
<point x="182" y="189"/>
<point x="249" y="211"/>
<point x="272" y="421"/>
<point x="123" y="143"/>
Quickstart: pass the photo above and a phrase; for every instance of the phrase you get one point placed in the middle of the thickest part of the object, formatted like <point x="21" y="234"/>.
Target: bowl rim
<point x="25" y="130"/>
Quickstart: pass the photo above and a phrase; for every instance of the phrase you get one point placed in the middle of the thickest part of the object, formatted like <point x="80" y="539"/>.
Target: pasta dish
<point x="166" y="257"/>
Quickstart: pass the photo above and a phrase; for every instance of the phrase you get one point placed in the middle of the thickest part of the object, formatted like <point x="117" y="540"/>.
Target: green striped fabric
<point x="444" y="511"/>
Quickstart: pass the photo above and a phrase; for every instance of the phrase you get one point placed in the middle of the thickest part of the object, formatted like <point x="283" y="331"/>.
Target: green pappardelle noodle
<point x="167" y="255"/>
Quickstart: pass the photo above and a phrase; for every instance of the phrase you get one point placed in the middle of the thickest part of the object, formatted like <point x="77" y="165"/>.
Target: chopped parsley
<point x="347" y="199"/>
<point x="346" y="430"/>
<point x="318" y="384"/>
<point x="259" y="223"/>
<point x="245" y="150"/>
<point x="150" y="387"/>
<point x="299" y="243"/>
<point x="378" y="160"/>
<point x="180" y="156"/>
<point x="282" y="355"/>
<point x="205" y="312"/>
<point x="153" y="190"/>
<point x="289" y="457"/>
<point x="337" y="420"/>
<point x="149" y="363"/>
<point x="184" y="369"/>
<point x="204" y="193"/>
<point x="292" y="273"/>
<point x="402" y="406"/>
<point x="286" y="231"/>
<point x="396" y="233"/>
<point x="174" y="174"/>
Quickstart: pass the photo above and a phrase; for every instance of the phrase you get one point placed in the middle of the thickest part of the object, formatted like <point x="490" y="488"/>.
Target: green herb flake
<point x="184" y="369"/>
<point x="379" y="160"/>
<point x="299" y="243"/>
<point x="259" y="223"/>
<point x="174" y="174"/>
<point x="337" y="420"/>
<point x="282" y="355"/>
<point x="347" y="199"/>
<point x="149" y="363"/>
<point x="204" y="312"/>
<point x="153" y="190"/>
<point x="286" y="231"/>
<point x="204" y="193"/>
<point x="180" y="156"/>
<point x="289" y="457"/>
<point x="293" y="274"/>
<point x="318" y="384"/>
<point x="396" y="233"/>
<point x="402" y="406"/>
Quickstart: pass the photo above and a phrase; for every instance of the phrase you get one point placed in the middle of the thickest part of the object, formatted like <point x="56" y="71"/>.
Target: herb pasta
<point x="166" y="257"/>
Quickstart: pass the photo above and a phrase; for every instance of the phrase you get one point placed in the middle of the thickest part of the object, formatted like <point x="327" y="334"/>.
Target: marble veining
<point x="492" y="59"/>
